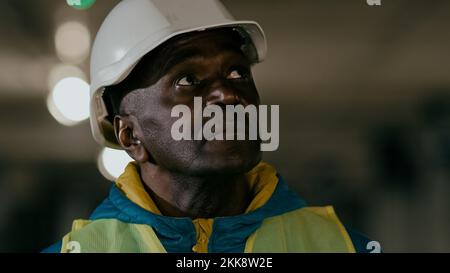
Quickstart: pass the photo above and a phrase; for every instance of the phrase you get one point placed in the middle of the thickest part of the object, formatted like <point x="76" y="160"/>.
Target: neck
<point x="179" y="195"/>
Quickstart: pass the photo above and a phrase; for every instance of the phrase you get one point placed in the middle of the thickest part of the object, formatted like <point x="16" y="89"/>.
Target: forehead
<point x="159" y="61"/>
<point x="226" y="38"/>
<point x="202" y="44"/>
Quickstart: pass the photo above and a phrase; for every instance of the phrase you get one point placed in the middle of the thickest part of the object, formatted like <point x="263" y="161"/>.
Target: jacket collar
<point x="262" y="180"/>
<point x="129" y="202"/>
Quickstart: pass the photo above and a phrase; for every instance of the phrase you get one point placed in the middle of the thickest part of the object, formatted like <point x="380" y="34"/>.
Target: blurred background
<point x="364" y="95"/>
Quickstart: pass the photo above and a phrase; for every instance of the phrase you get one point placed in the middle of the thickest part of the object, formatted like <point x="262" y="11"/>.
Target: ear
<point x="127" y="131"/>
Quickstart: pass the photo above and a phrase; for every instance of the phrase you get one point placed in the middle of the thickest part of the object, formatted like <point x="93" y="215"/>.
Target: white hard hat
<point x="134" y="28"/>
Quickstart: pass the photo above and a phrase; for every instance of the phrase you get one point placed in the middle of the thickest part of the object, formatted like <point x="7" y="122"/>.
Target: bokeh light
<point x="68" y="102"/>
<point x="112" y="163"/>
<point x="72" y="42"/>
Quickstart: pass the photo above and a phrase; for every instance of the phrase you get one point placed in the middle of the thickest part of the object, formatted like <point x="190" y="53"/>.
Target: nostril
<point x="222" y="104"/>
<point x="223" y="96"/>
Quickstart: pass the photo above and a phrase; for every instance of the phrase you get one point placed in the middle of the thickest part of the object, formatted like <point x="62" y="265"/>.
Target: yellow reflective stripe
<point x="348" y="241"/>
<point x="79" y="223"/>
<point x="76" y="225"/>
<point x="249" y="245"/>
<point x="64" y="243"/>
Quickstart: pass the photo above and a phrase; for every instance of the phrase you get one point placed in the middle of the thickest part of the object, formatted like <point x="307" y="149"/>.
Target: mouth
<point x="230" y="131"/>
<point x="226" y="135"/>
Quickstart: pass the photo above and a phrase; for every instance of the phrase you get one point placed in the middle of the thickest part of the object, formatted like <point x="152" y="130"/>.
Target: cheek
<point x="154" y="112"/>
<point x="248" y="93"/>
<point x="156" y="123"/>
<point x="169" y="153"/>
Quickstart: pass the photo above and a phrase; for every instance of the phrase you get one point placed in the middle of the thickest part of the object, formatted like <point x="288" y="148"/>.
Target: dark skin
<point x="191" y="178"/>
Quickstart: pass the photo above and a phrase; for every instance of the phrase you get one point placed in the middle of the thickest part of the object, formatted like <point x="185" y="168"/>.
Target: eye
<point x="187" y="81"/>
<point x="236" y="74"/>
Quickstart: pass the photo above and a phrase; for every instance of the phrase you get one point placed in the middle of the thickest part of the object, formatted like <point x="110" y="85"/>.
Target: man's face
<point x="207" y="65"/>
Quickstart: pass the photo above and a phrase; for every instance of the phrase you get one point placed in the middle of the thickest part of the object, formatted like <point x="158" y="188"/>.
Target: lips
<point x="230" y="131"/>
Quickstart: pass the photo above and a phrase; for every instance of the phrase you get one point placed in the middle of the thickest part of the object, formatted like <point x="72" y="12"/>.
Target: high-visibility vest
<point x="308" y="229"/>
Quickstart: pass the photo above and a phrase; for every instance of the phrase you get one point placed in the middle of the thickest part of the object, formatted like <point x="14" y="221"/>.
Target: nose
<point x="223" y="94"/>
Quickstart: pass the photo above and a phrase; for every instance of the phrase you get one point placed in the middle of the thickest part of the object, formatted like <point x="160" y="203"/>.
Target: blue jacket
<point x="229" y="234"/>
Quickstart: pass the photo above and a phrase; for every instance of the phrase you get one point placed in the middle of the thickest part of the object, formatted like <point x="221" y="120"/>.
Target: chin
<point x="213" y="158"/>
<point x="225" y="164"/>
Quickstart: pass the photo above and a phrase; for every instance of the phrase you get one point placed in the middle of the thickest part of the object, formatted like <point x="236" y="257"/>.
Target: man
<point x="188" y="195"/>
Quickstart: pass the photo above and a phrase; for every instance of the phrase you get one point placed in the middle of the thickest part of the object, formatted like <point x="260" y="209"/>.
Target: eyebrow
<point x="179" y="56"/>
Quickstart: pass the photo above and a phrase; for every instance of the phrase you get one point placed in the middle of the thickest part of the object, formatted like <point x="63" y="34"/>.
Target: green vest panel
<point x="310" y="229"/>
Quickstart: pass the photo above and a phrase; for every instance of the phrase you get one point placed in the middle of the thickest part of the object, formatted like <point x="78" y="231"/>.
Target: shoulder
<point x="325" y="217"/>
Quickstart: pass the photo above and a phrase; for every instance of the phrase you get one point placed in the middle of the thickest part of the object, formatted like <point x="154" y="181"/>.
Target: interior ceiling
<point x="320" y="51"/>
